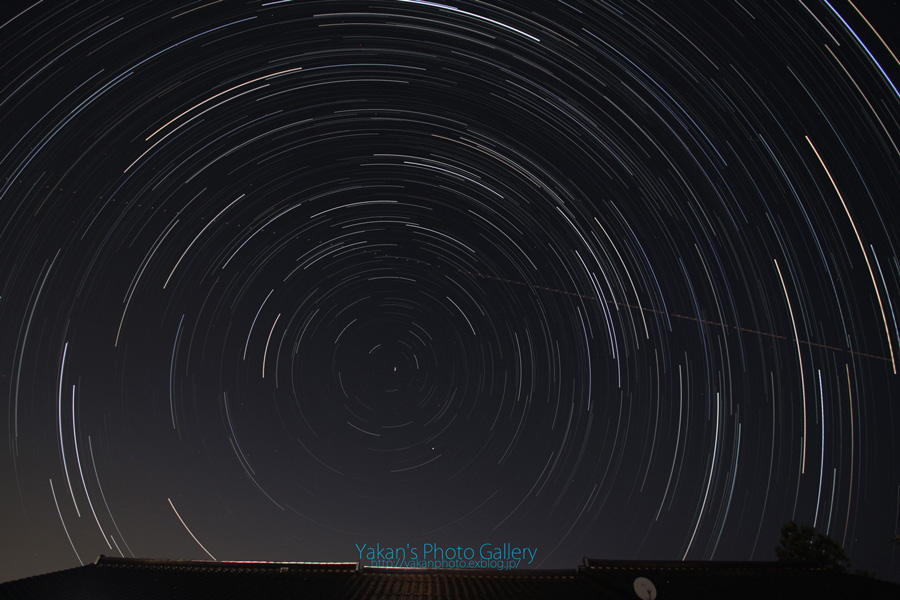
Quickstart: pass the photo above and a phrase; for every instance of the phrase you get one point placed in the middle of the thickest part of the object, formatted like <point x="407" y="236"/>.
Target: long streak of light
<point x="862" y="247"/>
<point x="250" y="475"/>
<point x="119" y="550"/>
<point x="137" y="279"/>
<point x="852" y="456"/>
<point x="253" y="324"/>
<point x="147" y="139"/>
<point x="677" y="443"/>
<point x="62" y="443"/>
<point x="163" y="138"/>
<point x="712" y="470"/>
<point x="799" y="362"/>
<point x="233" y="434"/>
<point x="81" y="473"/>
<point x="831" y="502"/>
<point x="822" y="459"/>
<point x="172" y="373"/>
<point x="61" y="520"/>
<point x="189" y="530"/>
<point x="864" y="97"/>
<point x="866" y="48"/>
<point x="103" y="496"/>
<point x="211" y="221"/>
<point x="20" y="14"/>
<point x="470" y="14"/>
<point x="21" y="352"/>
<point x="875" y="32"/>
<point x="269" y="339"/>
<point x="676" y="315"/>
<point x="628" y="274"/>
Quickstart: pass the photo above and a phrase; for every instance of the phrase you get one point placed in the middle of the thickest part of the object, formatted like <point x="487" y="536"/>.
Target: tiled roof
<point x="140" y="579"/>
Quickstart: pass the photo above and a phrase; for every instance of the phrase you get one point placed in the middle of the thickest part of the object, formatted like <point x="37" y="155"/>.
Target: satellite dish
<point x="644" y="588"/>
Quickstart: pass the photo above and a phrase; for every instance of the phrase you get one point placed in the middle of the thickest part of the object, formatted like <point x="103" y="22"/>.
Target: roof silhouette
<point x="138" y="579"/>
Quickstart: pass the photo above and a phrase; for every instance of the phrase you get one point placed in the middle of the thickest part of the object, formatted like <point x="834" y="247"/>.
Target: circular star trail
<point x="607" y="279"/>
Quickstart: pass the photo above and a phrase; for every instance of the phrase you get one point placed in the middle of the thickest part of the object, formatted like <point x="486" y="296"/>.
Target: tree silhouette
<point x="801" y="543"/>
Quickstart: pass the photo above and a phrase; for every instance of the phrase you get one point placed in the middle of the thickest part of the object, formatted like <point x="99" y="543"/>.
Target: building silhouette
<point x="139" y="579"/>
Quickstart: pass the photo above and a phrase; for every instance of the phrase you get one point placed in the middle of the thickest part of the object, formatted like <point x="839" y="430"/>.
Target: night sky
<point x="616" y="279"/>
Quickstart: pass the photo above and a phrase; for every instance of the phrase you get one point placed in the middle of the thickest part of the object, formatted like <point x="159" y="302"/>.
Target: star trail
<point x="597" y="278"/>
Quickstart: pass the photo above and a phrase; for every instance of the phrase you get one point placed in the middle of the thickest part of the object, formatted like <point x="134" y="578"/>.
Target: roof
<point x="138" y="579"/>
<point x="736" y="580"/>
